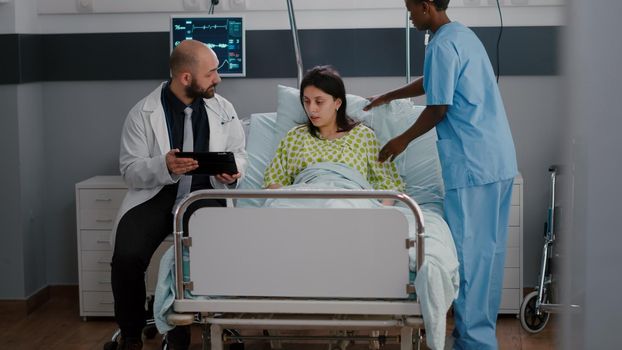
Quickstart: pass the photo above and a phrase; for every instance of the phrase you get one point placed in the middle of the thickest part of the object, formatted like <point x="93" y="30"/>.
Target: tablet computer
<point x="211" y="163"/>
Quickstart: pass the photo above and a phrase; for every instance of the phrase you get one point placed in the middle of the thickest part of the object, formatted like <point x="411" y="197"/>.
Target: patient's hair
<point x="327" y="79"/>
<point x="440" y="5"/>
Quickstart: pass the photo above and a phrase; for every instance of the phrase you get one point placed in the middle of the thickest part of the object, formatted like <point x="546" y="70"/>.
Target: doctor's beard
<point x="193" y="91"/>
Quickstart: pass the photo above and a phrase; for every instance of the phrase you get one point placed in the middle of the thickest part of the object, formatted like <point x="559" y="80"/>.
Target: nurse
<point x="477" y="157"/>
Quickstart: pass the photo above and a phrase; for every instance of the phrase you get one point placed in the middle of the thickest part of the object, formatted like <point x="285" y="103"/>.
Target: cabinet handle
<point x="104" y="282"/>
<point x="103" y="220"/>
<point x="103" y="241"/>
<point x="103" y="199"/>
<point x="106" y="303"/>
<point x="104" y="261"/>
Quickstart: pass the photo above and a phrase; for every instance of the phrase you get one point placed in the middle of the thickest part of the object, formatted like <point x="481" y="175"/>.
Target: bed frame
<point x="298" y="268"/>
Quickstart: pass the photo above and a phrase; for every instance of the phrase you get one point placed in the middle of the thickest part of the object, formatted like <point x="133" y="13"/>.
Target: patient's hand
<point x="228" y="179"/>
<point x="274" y="186"/>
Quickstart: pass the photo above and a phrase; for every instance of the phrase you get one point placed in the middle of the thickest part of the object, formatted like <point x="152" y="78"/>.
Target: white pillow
<point x="261" y="148"/>
<point x="418" y="166"/>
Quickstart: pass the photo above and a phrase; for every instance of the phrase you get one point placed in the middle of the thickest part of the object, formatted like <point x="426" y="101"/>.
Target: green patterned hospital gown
<point x="358" y="149"/>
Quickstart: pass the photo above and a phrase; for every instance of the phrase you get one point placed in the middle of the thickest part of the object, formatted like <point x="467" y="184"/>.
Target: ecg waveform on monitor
<point x="220" y="46"/>
<point x="210" y="27"/>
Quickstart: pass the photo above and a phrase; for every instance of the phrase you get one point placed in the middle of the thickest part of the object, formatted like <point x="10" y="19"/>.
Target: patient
<point x="329" y="136"/>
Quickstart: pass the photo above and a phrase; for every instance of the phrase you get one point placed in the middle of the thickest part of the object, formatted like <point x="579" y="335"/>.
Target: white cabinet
<point x="512" y="293"/>
<point x="97" y="201"/>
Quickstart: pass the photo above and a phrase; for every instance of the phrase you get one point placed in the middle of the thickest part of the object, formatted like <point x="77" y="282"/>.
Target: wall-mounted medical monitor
<point x="225" y="35"/>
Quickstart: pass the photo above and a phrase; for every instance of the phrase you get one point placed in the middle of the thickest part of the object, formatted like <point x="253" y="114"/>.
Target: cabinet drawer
<point x="511" y="277"/>
<point x="96" y="260"/>
<point x="513" y="237"/>
<point x="516" y="195"/>
<point x="515" y="215"/>
<point x="98" y="302"/>
<point x="512" y="257"/>
<point x="96" y="281"/>
<point x="97" y="219"/>
<point x="101" y="198"/>
<point x="95" y="240"/>
<point x="510" y="299"/>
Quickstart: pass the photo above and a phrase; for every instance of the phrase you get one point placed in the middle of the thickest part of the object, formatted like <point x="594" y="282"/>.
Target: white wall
<point x="59" y="16"/>
<point x="7" y="17"/>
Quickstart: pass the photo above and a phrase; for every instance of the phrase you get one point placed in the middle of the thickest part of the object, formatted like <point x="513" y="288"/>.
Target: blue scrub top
<point x="475" y="143"/>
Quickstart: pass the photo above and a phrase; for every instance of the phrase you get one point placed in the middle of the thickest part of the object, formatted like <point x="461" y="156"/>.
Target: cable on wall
<point x="211" y="7"/>
<point x="499" y="42"/>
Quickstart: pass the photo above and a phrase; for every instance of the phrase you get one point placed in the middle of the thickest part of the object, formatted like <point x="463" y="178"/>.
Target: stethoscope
<point x="222" y="114"/>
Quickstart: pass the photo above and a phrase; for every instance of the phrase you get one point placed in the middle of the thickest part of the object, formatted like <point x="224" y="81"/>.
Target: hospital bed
<point x="357" y="272"/>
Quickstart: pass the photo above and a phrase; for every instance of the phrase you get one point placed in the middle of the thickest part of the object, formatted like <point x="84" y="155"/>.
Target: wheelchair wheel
<point x="529" y="318"/>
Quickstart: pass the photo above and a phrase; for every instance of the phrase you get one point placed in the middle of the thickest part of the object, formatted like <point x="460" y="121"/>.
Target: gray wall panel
<point x="32" y="174"/>
<point x="83" y="123"/>
<point x="11" y="239"/>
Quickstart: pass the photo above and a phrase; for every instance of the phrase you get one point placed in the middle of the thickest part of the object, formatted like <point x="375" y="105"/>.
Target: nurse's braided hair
<point x="440" y="5"/>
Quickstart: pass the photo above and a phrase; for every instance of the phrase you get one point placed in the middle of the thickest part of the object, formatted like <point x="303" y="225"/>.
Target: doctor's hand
<point x="228" y="179"/>
<point x="376" y="101"/>
<point x="179" y="166"/>
<point x="392" y="149"/>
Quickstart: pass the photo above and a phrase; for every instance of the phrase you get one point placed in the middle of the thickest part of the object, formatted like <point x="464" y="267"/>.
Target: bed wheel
<point x="111" y="345"/>
<point x="236" y="346"/>
<point x="529" y="318"/>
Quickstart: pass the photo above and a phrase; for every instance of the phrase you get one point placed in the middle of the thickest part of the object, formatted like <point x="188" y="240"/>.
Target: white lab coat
<point x="145" y="142"/>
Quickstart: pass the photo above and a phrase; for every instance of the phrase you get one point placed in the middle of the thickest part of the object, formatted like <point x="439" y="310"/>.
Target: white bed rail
<point x="180" y="209"/>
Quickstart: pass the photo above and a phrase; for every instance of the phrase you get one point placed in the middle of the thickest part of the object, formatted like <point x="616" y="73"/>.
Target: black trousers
<point x="139" y="233"/>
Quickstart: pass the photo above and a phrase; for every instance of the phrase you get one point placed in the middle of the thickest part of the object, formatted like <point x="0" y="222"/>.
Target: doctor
<point x="186" y="114"/>
<point x="477" y="157"/>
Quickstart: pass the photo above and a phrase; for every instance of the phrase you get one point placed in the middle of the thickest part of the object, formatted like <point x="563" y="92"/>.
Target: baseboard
<point x="64" y="291"/>
<point x="30" y="304"/>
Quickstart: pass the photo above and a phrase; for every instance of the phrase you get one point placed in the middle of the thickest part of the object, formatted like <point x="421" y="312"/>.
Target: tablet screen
<point x="211" y="163"/>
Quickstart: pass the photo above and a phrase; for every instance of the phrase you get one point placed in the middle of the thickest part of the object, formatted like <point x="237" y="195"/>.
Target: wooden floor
<point x="57" y="325"/>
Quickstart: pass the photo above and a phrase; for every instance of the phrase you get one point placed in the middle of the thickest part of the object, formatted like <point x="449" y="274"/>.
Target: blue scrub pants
<point x="478" y="217"/>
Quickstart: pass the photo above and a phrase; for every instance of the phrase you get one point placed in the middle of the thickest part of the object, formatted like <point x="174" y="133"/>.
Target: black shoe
<point x="130" y="344"/>
<point x="178" y="338"/>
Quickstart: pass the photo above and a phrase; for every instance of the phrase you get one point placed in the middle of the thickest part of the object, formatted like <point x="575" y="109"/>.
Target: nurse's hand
<point x="228" y="179"/>
<point x="376" y="101"/>
<point x="392" y="149"/>
<point x="179" y="166"/>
